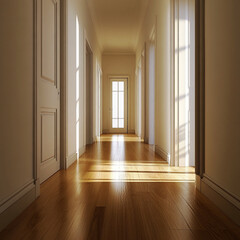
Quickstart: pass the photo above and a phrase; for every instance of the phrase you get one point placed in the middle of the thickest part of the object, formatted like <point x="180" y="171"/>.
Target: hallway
<point x="120" y="189"/>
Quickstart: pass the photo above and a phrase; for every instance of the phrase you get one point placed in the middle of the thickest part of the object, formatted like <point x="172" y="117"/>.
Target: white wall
<point x="118" y="65"/>
<point x="161" y="11"/>
<point x="16" y="99"/>
<point x="222" y="94"/>
<point x="150" y="99"/>
<point x="77" y="9"/>
<point x="138" y="100"/>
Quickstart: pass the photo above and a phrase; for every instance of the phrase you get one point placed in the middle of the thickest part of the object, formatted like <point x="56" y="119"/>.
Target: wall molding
<point x="223" y="199"/>
<point x="12" y="206"/>
<point x="71" y="159"/>
<point x="232" y="198"/>
<point x="7" y="202"/>
<point x="162" y="153"/>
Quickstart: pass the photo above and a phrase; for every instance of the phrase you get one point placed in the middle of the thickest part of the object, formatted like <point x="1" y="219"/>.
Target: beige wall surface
<point x="222" y="94"/>
<point x="78" y="10"/>
<point x="159" y="14"/>
<point x="16" y="96"/>
<point x="118" y="65"/>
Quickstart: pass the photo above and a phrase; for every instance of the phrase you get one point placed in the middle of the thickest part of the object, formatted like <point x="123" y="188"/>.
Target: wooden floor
<point x="119" y="189"/>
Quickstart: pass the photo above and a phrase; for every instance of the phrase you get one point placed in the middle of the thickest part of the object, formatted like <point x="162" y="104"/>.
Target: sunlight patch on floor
<point x="119" y="138"/>
<point x="120" y="171"/>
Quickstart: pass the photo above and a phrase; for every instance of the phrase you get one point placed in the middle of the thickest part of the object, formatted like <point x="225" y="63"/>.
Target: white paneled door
<point x="48" y="88"/>
<point x="118" y="116"/>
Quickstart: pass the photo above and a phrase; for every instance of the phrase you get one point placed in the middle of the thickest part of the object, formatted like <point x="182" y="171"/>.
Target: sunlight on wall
<point x="185" y="82"/>
<point x="183" y="92"/>
<point x="77" y="86"/>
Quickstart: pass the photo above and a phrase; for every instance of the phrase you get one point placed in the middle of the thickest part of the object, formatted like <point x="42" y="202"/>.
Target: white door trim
<point x="110" y="77"/>
<point x="86" y="45"/>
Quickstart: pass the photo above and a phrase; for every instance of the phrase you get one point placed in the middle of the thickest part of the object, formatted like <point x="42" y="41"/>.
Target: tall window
<point x="117" y="104"/>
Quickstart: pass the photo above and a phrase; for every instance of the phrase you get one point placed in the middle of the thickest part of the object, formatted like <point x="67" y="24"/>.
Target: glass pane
<point x="115" y="123"/>
<point x="114" y="104"/>
<point x="121" y="86"/>
<point x="121" y="123"/>
<point x="114" y="86"/>
<point x="121" y="104"/>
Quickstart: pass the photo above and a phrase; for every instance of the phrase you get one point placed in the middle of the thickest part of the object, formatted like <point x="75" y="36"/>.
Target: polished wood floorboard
<point x="119" y="189"/>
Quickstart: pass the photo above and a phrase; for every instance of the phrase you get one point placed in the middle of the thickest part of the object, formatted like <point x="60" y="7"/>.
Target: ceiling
<point x="118" y="23"/>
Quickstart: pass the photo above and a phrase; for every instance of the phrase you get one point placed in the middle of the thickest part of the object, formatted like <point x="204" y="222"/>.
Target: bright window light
<point x="117" y="104"/>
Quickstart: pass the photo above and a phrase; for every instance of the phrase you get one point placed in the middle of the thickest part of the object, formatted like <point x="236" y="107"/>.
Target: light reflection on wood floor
<point x="119" y="138"/>
<point x="116" y="166"/>
<point x="121" y="190"/>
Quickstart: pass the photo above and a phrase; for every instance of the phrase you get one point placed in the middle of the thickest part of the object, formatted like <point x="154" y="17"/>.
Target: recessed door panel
<point x="48" y="25"/>
<point x="49" y="137"/>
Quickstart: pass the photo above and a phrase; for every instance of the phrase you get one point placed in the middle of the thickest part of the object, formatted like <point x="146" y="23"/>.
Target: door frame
<point x="152" y="43"/>
<point x="87" y="47"/>
<point x="110" y="97"/>
<point x="63" y="91"/>
<point x="144" y="93"/>
<point x="99" y="100"/>
<point x="200" y="88"/>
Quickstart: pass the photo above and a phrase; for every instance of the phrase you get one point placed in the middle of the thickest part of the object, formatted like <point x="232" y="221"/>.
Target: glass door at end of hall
<point x="118" y="106"/>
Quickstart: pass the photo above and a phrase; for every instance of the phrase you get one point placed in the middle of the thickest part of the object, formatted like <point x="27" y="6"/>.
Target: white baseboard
<point x="82" y="151"/>
<point x="162" y="153"/>
<point x="152" y="147"/>
<point x="235" y="200"/>
<point x="227" y="202"/>
<point x="105" y="131"/>
<point x="11" y="207"/>
<point x="7" y="202"/>
<point x="71" y="159"/>
<point x="131" y="131"/>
